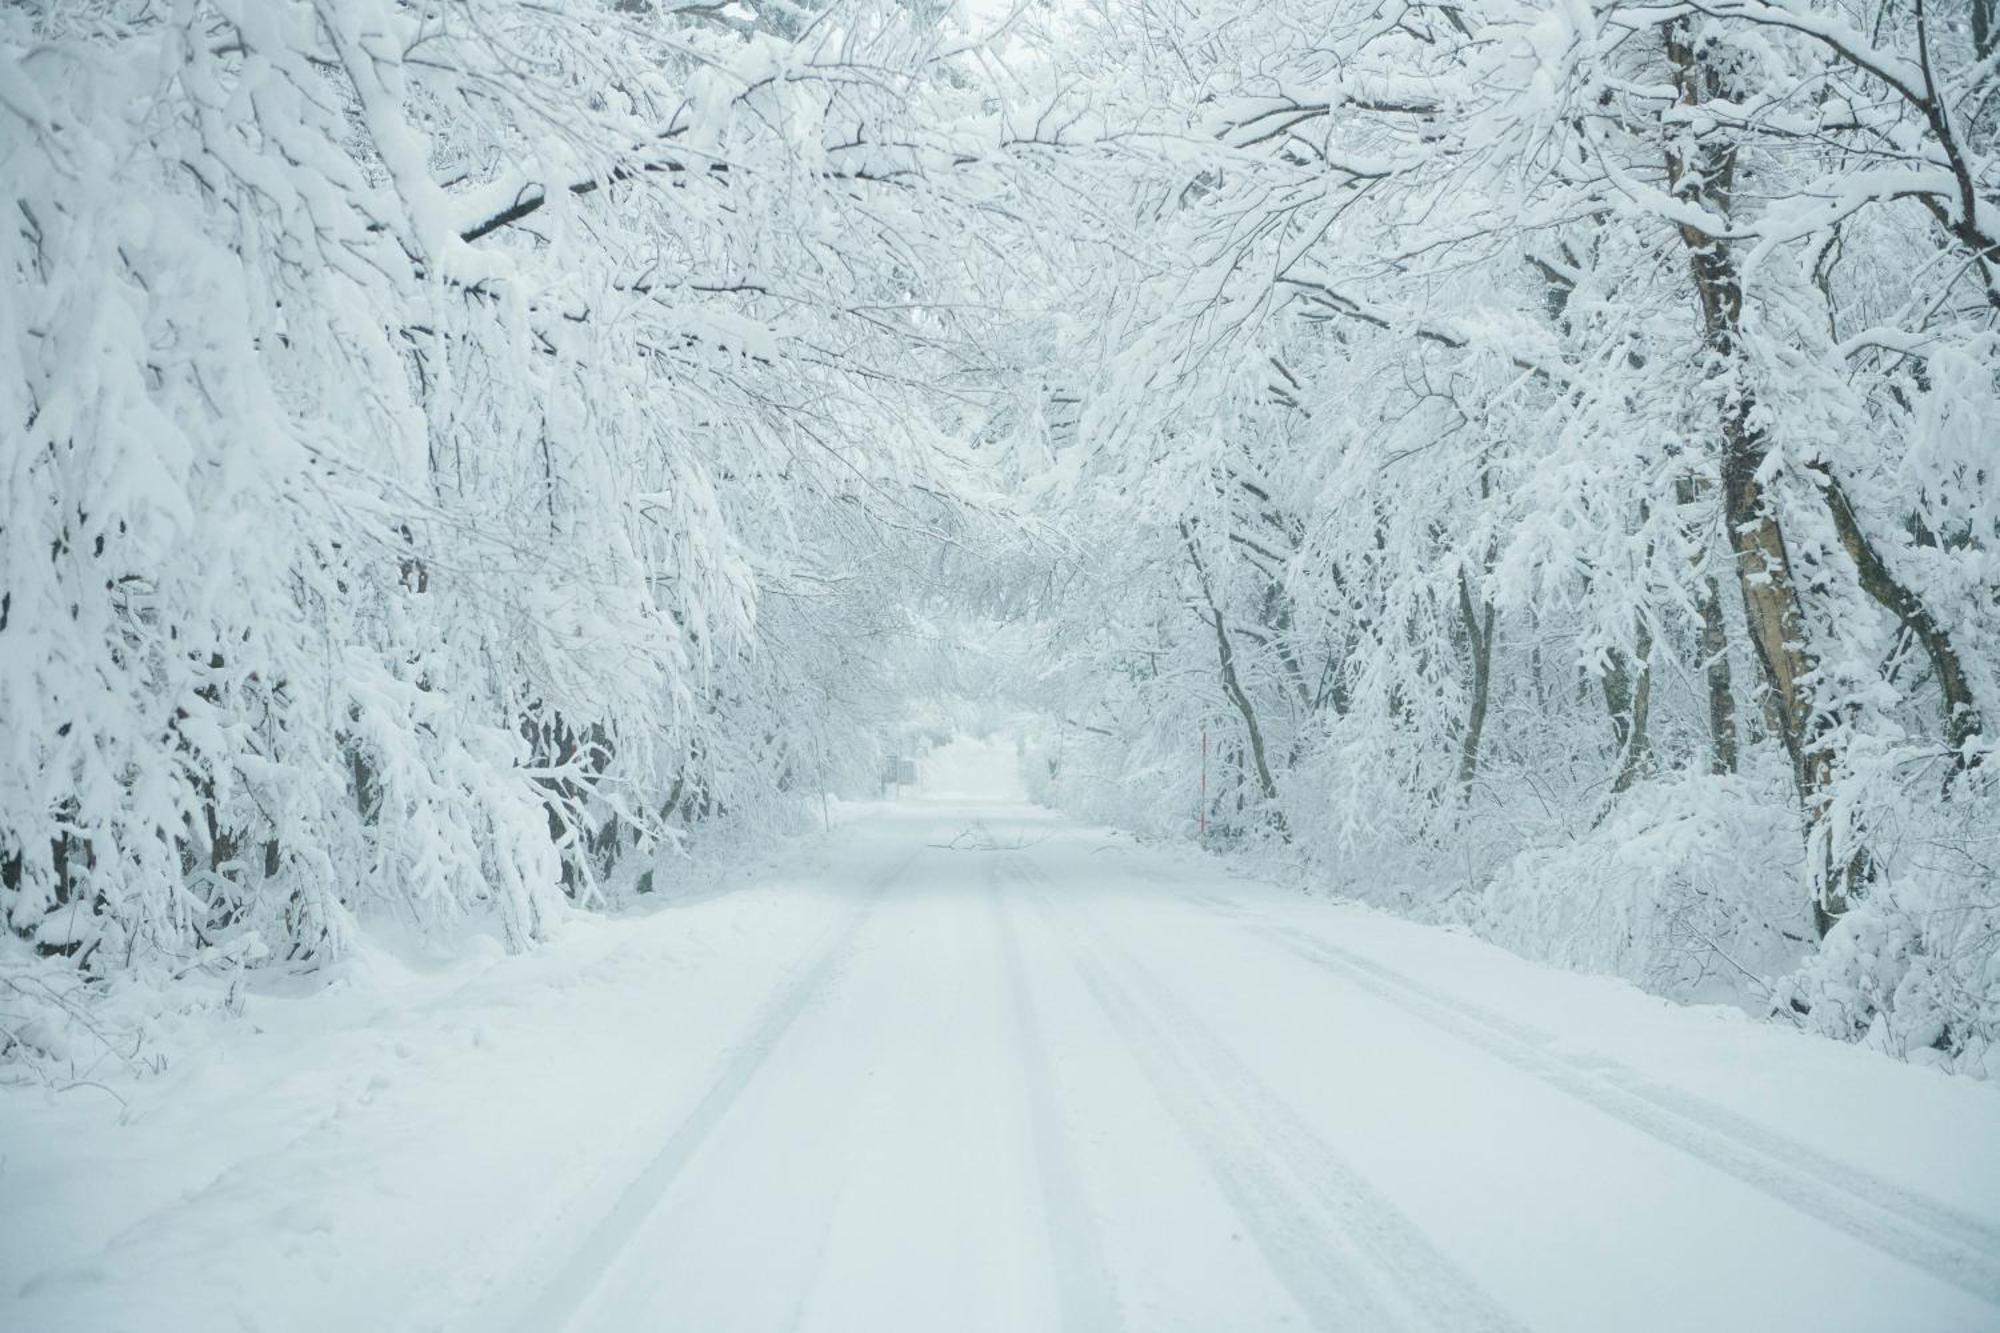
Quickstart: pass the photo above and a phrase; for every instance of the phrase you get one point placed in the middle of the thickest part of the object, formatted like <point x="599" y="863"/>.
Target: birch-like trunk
<point x="1704" y="172"/>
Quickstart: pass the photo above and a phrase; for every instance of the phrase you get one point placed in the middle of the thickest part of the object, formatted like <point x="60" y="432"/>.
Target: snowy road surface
<point x="962" y="1068"/>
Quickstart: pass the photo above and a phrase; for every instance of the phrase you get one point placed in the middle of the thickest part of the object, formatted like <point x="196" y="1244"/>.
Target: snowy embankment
<point x="386" y="1148"/>
<point x="961" y="1066"/>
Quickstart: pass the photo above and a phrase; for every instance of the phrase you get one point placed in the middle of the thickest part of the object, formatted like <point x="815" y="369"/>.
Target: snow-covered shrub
<point x="1690" y="885"/>
<point x="1914" y="969"/>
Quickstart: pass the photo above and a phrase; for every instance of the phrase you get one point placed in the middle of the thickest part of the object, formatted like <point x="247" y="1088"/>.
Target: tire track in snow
<point x="1349" y="1257"/>
<point x="1951" y="1246"/>
<point x="1083" y="1288"/>
<point x="562" y="1296"/>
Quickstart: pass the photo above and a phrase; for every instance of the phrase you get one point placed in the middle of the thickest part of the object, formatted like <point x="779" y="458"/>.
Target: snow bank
<point x="398" y="1141"/>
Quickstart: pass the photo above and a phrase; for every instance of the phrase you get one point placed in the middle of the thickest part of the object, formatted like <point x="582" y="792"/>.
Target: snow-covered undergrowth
<point x="1689" y="888"/>
<point x="1915" y="969"/>
<point x="1687" y="885"/>
<point x="68" y="1030"/>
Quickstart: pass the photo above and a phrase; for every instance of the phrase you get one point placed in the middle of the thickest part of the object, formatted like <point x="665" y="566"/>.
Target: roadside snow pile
<point x="64" y="1027"/>
<point x="393" y="1137"/>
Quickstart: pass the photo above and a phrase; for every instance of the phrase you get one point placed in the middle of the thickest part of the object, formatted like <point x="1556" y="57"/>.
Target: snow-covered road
<point x="961" y="1067"/>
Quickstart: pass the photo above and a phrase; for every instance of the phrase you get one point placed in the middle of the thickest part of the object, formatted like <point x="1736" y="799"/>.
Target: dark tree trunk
<point x="1232" y="685"/>
<point x="1961" y="716"/>
<point x="1628" y="696"/>
<point x="1715" y="668"/>
<point x="1479" y="638"/>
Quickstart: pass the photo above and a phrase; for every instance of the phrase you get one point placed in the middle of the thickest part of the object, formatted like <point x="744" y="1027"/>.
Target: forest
<point x="1527" y="465"/>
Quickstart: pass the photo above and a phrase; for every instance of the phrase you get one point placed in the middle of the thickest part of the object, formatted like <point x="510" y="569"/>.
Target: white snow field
<point x="969" y="1067"/>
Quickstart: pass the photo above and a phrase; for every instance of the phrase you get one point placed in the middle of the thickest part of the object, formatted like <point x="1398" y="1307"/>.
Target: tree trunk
<point x="1628" y="695"/>
<point x="1715" y="666"/>
<point x="1771" y="603"/>
<point x="1713" y="644"/>
<point x="1961" y="716"/>
<point x="1232" y="685"/>
<point x="1479" y="637"/>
